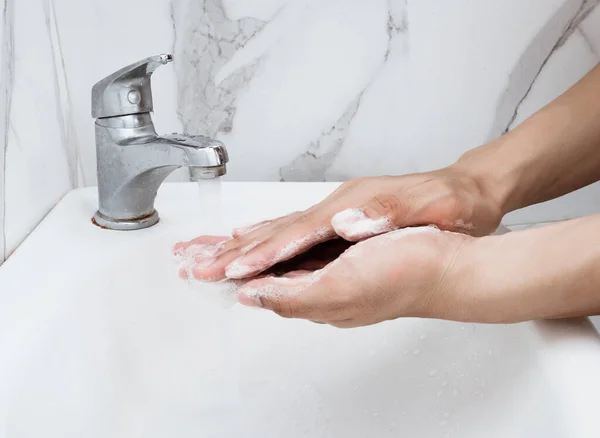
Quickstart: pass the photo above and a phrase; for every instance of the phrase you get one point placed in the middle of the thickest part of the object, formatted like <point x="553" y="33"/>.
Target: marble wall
<point x="299" y="90"/>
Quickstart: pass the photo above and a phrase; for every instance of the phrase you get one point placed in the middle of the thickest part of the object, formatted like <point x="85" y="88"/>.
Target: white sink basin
<point x="99" y="338"/>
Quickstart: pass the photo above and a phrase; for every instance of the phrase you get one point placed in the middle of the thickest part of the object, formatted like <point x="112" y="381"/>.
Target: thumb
<point x="381" y="214"/>
<point x="282" y="295"/>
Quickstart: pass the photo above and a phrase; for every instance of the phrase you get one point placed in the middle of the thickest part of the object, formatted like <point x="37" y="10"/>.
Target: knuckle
<point x="390" y="205"/>
<point x="284" y="309"/>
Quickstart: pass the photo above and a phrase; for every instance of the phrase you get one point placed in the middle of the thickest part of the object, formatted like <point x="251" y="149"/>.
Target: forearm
<point x="542" y="273"/>
<point x="554" y="152"/>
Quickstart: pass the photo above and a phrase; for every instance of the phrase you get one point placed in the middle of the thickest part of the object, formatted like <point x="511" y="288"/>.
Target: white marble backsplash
<point x="299" y="90"/>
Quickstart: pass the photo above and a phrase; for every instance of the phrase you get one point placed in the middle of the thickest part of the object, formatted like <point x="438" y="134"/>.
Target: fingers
<point x="255" y="249"/>
<point x="180" y="248"/>
<point x="197" y="252"/>
<point x="284" y="244"/>
<point x="233" y="248"/>
<point x="314" y="259"/>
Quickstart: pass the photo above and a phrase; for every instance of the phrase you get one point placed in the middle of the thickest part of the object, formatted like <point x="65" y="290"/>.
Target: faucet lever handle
<point x="127" y="91"/>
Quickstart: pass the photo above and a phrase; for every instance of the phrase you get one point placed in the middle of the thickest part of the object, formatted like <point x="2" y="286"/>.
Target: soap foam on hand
<point x="353" y="224"/>
<point x="198" y="255"/>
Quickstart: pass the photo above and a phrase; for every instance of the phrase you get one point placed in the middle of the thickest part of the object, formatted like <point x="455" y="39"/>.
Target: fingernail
<point x="178" y="250"/>
<point x="202" y="275"/>
<point x="183" y="272"/>
<point x="239" y="269"/>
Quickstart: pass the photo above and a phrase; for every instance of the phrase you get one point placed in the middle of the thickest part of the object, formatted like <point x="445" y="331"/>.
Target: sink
<point x="99" y="338"/>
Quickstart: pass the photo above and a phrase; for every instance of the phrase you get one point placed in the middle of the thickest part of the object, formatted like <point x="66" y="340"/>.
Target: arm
<point x="554" y="152"/>
<point x="543" y="273"/>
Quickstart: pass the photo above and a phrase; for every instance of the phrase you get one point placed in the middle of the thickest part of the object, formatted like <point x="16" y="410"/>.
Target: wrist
<point x="474" y="290"/>
<point x="454" y="297"/>
<point x="494" y="174"/>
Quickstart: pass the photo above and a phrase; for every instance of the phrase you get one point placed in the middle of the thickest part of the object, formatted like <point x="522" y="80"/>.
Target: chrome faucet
<point x="133" y="160"/>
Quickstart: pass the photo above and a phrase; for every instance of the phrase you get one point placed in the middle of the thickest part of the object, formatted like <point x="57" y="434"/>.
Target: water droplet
<point x="444" y="383"/>
<point x="440" y="392"/>
<point x="455" y="392"/>
<point x="444" y="423"/>
<point x="446" y="415"/>
<point x="416" y="352"/>
<point x="433" y="372"/>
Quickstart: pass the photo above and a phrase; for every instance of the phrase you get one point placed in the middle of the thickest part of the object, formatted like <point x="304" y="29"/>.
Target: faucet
<point x="132" y="159"/>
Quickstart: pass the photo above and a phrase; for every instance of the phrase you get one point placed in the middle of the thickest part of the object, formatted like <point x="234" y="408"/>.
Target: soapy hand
<point x="361" y="208"/>
<point x="404" y="273"/>
<point x="193" y="258"/>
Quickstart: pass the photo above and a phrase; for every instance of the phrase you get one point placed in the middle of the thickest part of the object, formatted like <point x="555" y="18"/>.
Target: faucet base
<point x="125" y="225"/>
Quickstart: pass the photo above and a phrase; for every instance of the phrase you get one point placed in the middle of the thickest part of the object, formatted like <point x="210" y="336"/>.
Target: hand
<point x="361" y="208"/>
<point x="405" y="273"/>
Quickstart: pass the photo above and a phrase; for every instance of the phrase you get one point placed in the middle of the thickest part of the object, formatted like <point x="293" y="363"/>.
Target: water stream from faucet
<point x="210" y="192"/>
<point x="212" y="205"/>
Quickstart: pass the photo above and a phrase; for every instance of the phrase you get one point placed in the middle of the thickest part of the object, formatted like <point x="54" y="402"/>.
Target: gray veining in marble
<point x="64" y="111"/>
<point x="7" y="57"/>
<point x="313" y="164"/>
<point x="202" y="48"/>
<point x="531" y="63"/>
